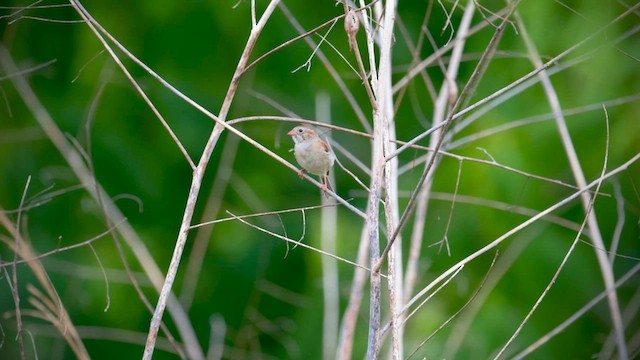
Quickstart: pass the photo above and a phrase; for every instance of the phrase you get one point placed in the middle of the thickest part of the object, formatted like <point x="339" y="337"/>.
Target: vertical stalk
<point x="329" y="221"/>
<point x="196" y="182"/>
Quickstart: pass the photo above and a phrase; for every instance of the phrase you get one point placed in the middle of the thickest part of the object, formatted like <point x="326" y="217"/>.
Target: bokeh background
<point x="271" y="299"/>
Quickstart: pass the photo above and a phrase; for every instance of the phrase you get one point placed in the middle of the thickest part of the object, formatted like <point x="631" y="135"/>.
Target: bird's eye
<point x="300" y="131"/>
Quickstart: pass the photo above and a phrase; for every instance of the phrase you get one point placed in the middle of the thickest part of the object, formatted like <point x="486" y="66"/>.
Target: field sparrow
<point x="312" y="153"/>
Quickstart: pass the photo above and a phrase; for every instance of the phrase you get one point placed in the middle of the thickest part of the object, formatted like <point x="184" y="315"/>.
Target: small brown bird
<point x="312" y="153"/>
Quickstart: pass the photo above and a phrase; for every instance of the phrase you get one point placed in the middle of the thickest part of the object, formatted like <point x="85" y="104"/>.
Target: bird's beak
<point x="291" y="133"/>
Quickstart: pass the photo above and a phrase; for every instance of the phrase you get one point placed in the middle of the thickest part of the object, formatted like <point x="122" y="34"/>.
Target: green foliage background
<point x="195" y="46"/>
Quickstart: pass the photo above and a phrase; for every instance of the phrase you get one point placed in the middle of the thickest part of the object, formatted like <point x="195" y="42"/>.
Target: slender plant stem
<point x="196" y="182"/>
<point x="515" y="230"/>
<point x="606" y="267"/>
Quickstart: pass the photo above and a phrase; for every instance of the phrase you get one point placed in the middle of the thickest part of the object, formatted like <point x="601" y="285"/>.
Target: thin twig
<point x="460" y="329"/>
<point x="299" y="243"/>
<point x="528" y="175"/>
<point x="78" y="166"/>
<point x="418" y="68"/>
<point x="629" y="313"/>
<point x="515" y="230"/>
<point x="55" y="21"/>
<point x="14" y="273"/>
<point x="21" y="9"/>
<point x="442" y="105"/>
<point x="468" y="119"/>
<point x="197" y="182"/>
<point x="577" y="315"/>
<point x="211" y="210"/>
<point x="61" y="318"/>
<point x="219" y="120"/>
<point x="267" y="213"/>
<point x="445" y="237"/>
<point x="588" y="210"/>
<point x="28" y="70"/>
<point x="447" y="123"/>
<point x="471" y="299"/>
<point x="356" y="293"/>
<point x="63" y="249"/>
<point x="331" y="69"/>
<point x="606" y="267"/>
<point x="299" y="37"/>
<point x="91" y="23"/>
<point x="323" y="38"/>
<point x="462" y="141"/>
<point x="544" y="66"/>
<point x="363" y="73"/>
<point x="403" y="319"/>
<point x="617" y="231"/>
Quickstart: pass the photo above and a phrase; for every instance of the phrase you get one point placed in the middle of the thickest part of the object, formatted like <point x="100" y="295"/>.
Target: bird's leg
<point x="301" y="173"/>
<point x="325" y="183"/>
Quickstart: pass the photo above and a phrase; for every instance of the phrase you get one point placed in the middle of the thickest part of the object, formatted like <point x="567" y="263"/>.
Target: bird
<point x="313" y="153"/>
